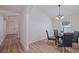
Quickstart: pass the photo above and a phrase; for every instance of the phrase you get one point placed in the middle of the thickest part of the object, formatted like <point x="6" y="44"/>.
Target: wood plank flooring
<point x="11" y="44"/>
<point x="44" y="47"/>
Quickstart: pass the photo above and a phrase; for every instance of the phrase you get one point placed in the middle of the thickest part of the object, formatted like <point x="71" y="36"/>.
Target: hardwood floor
<point x="11" y="44"/>
<point x="44" y="47"/>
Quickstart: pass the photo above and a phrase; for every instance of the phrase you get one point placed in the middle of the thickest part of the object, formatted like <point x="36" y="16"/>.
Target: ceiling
<point x="52" y="10"/>
<point x="13" y="8"/>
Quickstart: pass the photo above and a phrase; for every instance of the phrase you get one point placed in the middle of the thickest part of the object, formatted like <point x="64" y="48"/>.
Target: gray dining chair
<point x="50" y="37"/>
<point x="66" y="41"/>
<point x="75" y="38"/>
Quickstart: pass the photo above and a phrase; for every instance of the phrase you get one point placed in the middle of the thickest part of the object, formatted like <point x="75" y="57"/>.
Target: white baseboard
<point x="38" y="40"/>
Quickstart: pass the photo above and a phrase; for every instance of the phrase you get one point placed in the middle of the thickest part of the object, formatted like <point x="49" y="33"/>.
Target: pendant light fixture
<point x="59" y="17"/>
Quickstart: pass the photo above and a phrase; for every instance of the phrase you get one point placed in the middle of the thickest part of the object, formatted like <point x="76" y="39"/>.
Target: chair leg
<point x="55" y="42"/>
<point x="72" y="45"/>
<point x="77" y="45"/>
<point x="63" y="49"/>
<point x="70" y="49"/>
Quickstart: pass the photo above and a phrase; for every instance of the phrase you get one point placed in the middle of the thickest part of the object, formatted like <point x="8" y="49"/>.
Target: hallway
<point x="11" y="44"/>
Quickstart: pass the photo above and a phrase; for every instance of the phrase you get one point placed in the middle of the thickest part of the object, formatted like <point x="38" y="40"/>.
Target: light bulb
<point x="57" y="18"/>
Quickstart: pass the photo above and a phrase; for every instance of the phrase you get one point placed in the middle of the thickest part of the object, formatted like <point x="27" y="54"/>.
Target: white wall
<point x="2" y="29"/>
<point x="33" y="26"/>
<point x="39" y="22"/>
<point x="75" y="22"/>
<point x="23" y="29"/>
